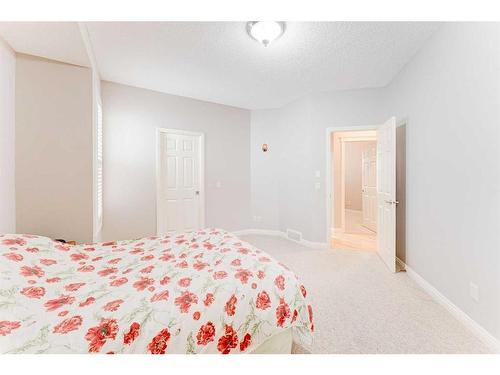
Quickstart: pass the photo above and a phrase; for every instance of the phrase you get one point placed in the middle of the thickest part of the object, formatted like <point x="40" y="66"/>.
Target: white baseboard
<point x="482" y="334"/>
<point x="278" y="233"/>
<point x="265" y="232"/>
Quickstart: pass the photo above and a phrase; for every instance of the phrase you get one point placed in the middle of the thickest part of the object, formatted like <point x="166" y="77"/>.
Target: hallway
<point x="356" y="236"/>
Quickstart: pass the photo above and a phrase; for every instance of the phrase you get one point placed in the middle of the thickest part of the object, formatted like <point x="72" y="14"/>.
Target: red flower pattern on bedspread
<point x="113" y="305"/>
<point x="185" y="300"/>
<point x="280" y="282"/>
<point x="230" y="307"/>
<point x="143" y="283"/>
<point x="199" y="292"/>
<point x="14" y="257"/>
<point x="32" y="271"/>
<point x="7" y="327"/>
<point x="33" y="292"/>
<point x="263" y="300"/>
<point x="245" y="343"/>
<point x="206" y="334"/>
<point x="209" y="299"/>
<point x="228" y="341"/>
<point x="54" y="304"/>
<point x="97" y="336"/>
<point x="243" y="275"/>
<point x="282" y="312"/>
<point x="159" y="343"/>
<point x="132" y="334"/>
<point x="68" y="325"/>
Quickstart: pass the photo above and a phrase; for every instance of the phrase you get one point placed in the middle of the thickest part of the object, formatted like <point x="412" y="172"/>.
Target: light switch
<point x="318" y="174"/>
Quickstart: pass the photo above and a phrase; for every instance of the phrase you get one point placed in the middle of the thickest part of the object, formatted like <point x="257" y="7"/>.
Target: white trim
<point x="201" y="136"/>
<point x="330" y="219"/>
<point x="342" y="185"/>
<point x="280" y="234"/>
<point x="482" y="334"/>
<point x="84" y="32"/>
<point x="263" y="232"/>
<point x="97" y="222"/>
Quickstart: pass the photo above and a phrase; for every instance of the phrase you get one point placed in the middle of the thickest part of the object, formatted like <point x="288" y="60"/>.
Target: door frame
<point x="159" y="133"/>
<point x="329" y="175"/>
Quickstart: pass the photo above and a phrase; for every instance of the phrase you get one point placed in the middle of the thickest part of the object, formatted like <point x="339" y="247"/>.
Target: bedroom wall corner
<point x="7" y="139"/>
<point x="53" y="149"/>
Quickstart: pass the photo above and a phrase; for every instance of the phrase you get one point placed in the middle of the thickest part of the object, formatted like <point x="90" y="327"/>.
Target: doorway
<point x="180" y="205"/>
<point x="375" y="228"/>
<point x="354" y="153"/>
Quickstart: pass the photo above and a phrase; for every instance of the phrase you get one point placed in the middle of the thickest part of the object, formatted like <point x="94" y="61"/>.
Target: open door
<point x="386" y="192"/>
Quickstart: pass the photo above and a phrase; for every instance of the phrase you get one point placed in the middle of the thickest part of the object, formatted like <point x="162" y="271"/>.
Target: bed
<point x="198" y="292"/>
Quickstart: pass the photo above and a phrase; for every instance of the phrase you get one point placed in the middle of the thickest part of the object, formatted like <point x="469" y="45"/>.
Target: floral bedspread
<point x="200" y="292"/>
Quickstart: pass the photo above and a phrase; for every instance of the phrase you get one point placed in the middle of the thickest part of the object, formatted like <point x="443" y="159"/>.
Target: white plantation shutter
<point x="99" y="166"/>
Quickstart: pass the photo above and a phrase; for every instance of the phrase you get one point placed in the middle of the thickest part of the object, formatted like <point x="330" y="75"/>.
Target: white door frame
<point x="159" y="133"/>
<point x="330" y="220"/>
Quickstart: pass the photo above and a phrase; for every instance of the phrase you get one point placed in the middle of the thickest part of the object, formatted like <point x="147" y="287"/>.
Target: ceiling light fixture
<point x="265" y="32"/>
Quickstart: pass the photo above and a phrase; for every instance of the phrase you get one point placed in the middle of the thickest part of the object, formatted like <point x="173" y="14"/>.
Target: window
<point x="98" y="170"/>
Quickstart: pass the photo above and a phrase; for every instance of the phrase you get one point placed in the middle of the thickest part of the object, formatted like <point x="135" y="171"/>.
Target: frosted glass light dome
<point x="265" y="32"/>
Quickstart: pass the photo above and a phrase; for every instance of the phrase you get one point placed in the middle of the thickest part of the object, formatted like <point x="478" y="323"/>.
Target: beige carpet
<point x="360" y="307"/>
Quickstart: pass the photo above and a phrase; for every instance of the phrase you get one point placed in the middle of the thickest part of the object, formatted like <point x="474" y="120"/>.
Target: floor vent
<point x="293" y="235"/>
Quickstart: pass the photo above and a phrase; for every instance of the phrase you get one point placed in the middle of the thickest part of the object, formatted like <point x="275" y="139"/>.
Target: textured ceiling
<point x="59" y="41"/>
<point x="219" y="62"/>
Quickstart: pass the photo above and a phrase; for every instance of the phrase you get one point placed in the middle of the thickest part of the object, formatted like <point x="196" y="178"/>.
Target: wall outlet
<point x="474" y="292"/>
<point x="317" y="185"/>
<point x="218" y="184"/>
<point x="257" y="219"/>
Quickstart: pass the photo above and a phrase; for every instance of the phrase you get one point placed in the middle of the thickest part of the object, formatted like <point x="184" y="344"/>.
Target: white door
<point x="369" y="187"/>
<point x="386" y="192"/>
<point x="180" y="182"/>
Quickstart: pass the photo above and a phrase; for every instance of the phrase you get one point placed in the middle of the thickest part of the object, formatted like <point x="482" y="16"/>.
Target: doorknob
<point x="392" y="202"/>
<point x="197" y="192"/>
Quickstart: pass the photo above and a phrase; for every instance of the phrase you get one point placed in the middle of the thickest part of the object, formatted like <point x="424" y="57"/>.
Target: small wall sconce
<point x="264" y="147"/>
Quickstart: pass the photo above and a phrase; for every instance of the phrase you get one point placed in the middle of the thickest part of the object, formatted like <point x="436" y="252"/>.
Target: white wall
<point x="53" y="149"/>
<point x="450" y="95"/>
<point x="297" y="139"/>
<point x="7" y="139"/>
<point x="264" y="169"/>
<point x="131" y="116"/>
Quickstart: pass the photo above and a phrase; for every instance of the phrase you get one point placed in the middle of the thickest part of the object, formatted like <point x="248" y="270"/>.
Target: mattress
<point x="198" y="292"/>
<point x="281" y="343"/>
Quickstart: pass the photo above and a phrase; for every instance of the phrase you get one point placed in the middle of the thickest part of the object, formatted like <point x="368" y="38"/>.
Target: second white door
<point x="180" y="182"/>
<point x="369" y="187"/>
